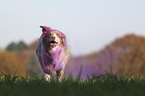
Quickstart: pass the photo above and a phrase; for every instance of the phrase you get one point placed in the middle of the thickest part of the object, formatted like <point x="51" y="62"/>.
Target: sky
<point x="89" y="25"/>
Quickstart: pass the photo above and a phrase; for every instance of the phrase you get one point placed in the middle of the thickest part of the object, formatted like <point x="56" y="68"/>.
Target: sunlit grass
<point x="102" y="85"/>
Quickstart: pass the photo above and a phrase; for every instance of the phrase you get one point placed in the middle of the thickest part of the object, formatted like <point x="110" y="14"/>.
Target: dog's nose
<point x="53" y="38"/>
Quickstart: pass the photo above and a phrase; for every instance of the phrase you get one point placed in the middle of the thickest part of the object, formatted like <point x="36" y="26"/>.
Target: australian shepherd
<point x="52" y="52"/>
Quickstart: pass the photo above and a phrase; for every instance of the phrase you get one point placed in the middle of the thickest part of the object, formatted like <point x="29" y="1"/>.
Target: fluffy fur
<point x="52" y="52"/>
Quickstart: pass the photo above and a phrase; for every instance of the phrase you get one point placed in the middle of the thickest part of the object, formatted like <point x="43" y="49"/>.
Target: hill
<point x="124" y="55"/>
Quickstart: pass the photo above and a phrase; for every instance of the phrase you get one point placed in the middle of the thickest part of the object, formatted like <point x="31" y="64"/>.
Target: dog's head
<point x="52" y="38"/>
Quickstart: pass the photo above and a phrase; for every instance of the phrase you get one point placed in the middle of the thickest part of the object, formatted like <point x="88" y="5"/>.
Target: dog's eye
<point x="57" y="35"/>
<point x="49" y="34"/>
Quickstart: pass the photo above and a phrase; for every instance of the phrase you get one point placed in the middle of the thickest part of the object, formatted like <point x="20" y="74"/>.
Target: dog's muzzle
<point x="53" y="43"/>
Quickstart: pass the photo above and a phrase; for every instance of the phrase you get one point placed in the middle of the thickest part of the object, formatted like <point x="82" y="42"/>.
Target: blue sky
<point x="88" y="24"/>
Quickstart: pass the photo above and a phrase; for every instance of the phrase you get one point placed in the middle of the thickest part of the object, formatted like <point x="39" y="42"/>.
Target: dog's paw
<point x="47" y="77"/>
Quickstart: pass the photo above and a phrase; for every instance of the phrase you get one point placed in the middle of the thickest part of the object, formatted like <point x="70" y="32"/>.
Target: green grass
<point x="103" y="85"/>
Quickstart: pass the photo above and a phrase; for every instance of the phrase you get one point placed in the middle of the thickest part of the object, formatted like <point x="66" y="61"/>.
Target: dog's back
<point x="39" y="52"/>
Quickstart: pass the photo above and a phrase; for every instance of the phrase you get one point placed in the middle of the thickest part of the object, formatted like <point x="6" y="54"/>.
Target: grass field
<point x="103" y="85"/>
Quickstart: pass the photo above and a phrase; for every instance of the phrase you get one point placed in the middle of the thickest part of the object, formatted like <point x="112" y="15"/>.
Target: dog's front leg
<point x="47" y="77"/>
<point x="60" y="75"/>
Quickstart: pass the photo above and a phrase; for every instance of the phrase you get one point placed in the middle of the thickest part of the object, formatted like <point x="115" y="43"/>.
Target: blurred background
<point x="104" y="35"/>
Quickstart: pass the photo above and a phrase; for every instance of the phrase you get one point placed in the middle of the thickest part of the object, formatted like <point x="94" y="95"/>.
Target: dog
<point x="52" y="52"/>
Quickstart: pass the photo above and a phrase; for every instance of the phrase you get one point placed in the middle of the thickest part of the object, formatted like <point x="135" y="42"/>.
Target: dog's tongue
<point x="52" y="44"/>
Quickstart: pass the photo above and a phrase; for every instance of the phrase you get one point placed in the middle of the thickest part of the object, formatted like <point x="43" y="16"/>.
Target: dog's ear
<point x="63" y="37"/>
<point x="45" y="29"/>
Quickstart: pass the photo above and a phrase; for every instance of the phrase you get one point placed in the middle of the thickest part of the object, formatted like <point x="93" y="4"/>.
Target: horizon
<point x="130" y="34"/>
<point x="89" y="25"/>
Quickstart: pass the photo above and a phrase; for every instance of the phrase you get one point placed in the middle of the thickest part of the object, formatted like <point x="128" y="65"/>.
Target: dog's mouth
<point x="53" y="43"/>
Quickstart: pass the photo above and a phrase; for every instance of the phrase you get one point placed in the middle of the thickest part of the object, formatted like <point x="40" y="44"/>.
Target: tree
<point x="11" y="46"/>
<point x="16" y="47"/>
<point x="20" y="46"/>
